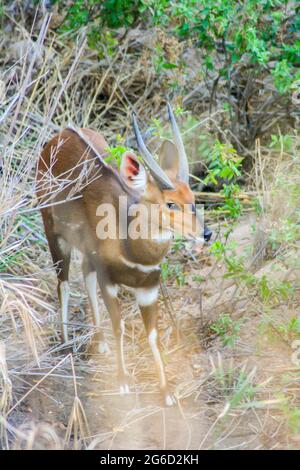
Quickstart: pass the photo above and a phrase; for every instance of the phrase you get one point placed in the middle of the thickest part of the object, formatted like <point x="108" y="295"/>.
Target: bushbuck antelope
<point x="74" y="181"/>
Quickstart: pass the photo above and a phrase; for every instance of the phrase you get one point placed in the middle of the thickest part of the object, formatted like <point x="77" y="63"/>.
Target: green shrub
<point x="250" y="51"/>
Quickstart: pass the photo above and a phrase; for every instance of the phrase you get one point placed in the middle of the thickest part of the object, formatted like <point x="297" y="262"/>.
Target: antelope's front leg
<point x="90" y="279"/>
<point x="110" y="293"/>
<point x="147" y="301"/>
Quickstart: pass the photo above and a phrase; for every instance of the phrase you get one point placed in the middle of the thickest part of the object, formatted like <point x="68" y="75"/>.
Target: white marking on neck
<point x="146" y="296"/>
<point x="145" y="268"/>
<point x="73" y="226"/>
<point x="152" y="338"/>
<point x="112" y="289"/>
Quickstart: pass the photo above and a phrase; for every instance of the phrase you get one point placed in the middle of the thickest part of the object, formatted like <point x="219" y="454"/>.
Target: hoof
<point x="103" y="348"/>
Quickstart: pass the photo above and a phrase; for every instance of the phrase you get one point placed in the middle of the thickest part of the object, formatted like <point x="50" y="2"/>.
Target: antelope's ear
<point x="169" y="158"/>
<point x="132" y="171"/>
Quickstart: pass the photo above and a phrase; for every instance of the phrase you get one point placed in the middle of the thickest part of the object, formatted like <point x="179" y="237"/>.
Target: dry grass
<point x="245" y="396"/>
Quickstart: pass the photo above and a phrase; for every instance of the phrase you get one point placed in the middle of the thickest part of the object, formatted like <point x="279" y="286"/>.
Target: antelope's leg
<point x="147" y="301"/>
<point x="109" y="294"/>
<point x="90" y="280"/>
<point x="61" y="255"/>
<point x="63" y="290"/>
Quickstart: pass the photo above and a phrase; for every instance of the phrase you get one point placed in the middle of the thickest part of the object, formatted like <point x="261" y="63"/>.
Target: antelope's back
<point x="63" y="157"/>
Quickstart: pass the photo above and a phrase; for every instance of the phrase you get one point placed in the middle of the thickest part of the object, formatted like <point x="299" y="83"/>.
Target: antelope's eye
<point x="172" y="206"/>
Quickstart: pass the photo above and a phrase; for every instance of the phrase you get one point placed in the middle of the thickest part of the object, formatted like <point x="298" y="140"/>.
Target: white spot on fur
<point x="63" y="245"/>
<point x="146" y="296"/>
<point x="112" y="289"/>
<point x="145" y="268"/>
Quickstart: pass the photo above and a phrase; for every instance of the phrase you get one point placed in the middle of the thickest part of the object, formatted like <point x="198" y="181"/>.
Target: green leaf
<point x="168" y="65"/>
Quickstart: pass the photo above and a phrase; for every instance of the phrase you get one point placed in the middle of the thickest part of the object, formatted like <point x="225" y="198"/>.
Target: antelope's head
<point x="167" y="185"/>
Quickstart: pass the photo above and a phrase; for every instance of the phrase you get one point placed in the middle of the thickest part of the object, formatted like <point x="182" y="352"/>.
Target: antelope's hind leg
<point x="90" y="280"/>
<point x="110" y="297"/>
<point x="147" y="300"/>
<point x="61" y="255"/>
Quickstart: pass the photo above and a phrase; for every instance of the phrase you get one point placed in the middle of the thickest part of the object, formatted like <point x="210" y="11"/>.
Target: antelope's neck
<point x="146" y="252"/>
<point x="146" y="243"/>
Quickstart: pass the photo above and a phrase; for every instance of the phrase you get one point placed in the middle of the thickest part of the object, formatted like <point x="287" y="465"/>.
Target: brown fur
<point x="70" y="168"/>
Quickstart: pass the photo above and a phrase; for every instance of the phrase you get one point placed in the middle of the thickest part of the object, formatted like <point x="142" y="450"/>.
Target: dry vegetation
<point x="227" y="329"/>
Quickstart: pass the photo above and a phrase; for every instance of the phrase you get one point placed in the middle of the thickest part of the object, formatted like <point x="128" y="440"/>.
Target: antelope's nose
<point x="207" y="234"/>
